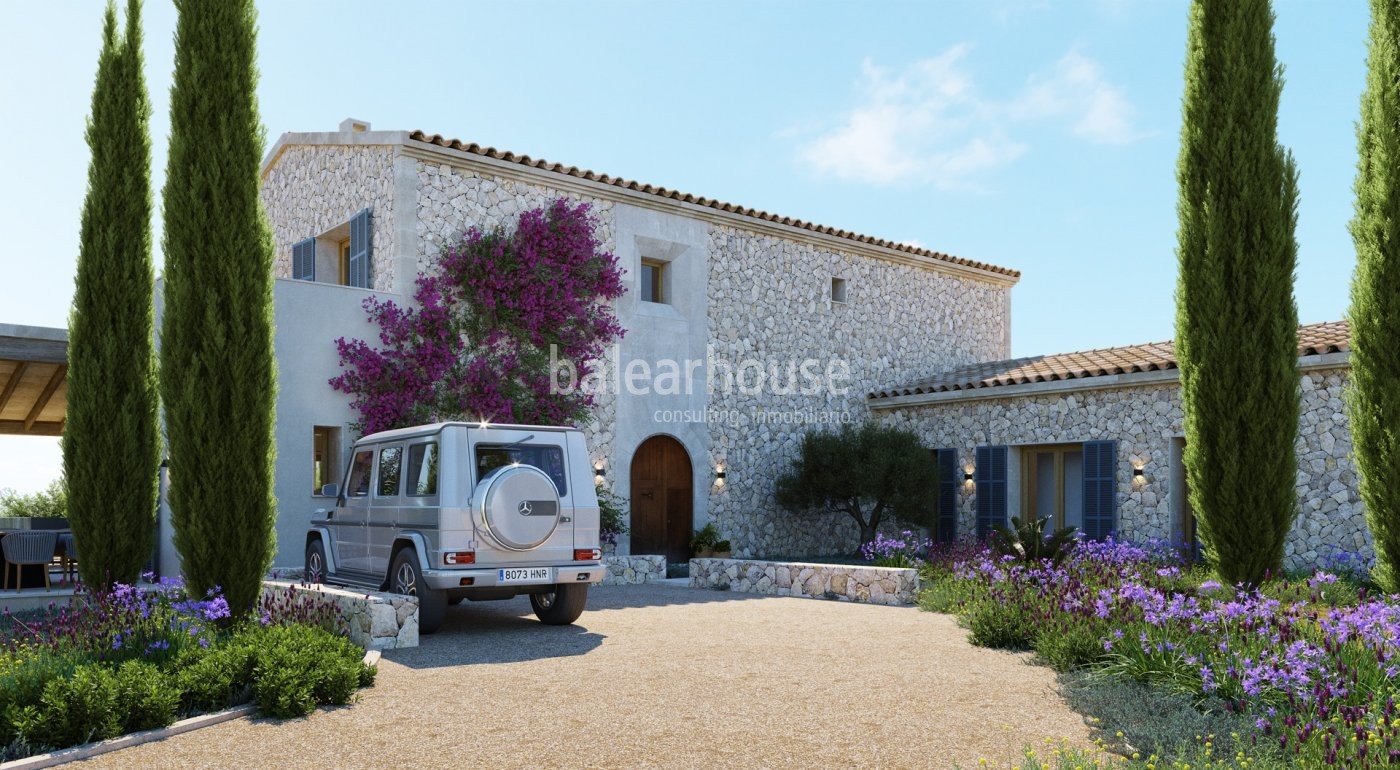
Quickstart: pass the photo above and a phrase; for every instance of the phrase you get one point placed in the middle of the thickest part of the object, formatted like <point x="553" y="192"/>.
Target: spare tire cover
<point x="519" y="505"/>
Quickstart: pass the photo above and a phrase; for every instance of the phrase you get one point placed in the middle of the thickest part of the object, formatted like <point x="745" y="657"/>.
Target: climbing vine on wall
<point x="479" y="344"/>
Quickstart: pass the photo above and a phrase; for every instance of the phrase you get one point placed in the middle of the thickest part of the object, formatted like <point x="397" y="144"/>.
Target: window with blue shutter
<point x="990" y="478"/>
<point x="1100" y="488"/>
<point x="946" y="526"/>
<point x="360" y="251"/>
<point x="304" y="260"/>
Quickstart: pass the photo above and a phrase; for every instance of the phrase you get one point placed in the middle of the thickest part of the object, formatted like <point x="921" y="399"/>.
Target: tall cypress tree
<point x="1236" y="321"/>
<point x="218" y="375"/>
<point x="111" y="445"/>
<point x="1374" y="400"/>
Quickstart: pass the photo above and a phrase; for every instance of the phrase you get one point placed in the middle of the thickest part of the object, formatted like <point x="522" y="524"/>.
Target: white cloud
<point x="1076" y="90"/>
<point x="930" y="124"/>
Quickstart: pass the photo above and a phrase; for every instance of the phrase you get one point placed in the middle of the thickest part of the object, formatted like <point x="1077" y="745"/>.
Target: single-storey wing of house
<point x="1095" y="440"/>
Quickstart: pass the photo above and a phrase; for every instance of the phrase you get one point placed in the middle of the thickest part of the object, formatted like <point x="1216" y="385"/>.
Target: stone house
<point x="1095" y="440"/>
<point x="775" y="324"/>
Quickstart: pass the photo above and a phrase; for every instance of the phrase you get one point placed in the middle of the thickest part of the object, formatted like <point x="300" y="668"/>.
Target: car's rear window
<point x="549" y="459"/>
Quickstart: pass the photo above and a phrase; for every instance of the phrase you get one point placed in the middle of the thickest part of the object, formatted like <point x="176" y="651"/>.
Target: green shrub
<point x="23" y="678"/>
<point x="299" y="668"/>
<point x="81" y="708"/>
<point x="1069" y="646"/>
<point x="1007" y="627"/>
<point x="1027" y="541"/>
<point x="944" y="594"/>
<point x="147" y="697"/>
<point x="50" y="502"/>
<point x="217" y="678"/>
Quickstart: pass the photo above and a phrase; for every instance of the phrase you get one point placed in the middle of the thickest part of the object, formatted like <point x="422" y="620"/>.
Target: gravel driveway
<point x="663" y="676"/>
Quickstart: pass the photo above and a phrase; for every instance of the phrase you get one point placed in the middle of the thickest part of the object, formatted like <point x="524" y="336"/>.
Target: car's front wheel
<point x="560" y="606"/>
<point x="406" y="578"/>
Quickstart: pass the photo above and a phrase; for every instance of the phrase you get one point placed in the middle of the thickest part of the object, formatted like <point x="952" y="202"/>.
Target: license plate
<point x="525" y="575"/>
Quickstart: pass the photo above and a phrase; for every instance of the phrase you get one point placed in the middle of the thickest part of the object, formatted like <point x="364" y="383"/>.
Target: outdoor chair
<point x="67" y="555"/>
<point x="28" y="548"/>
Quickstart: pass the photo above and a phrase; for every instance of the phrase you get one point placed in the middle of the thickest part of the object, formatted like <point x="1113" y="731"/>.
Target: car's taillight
<point x="587" y="554"/>
<point x="457" y="558"/>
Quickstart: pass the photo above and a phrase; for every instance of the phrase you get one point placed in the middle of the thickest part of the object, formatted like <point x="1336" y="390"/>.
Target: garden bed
<point x="1298" y="673"/>
<point x="135" y="660"/>
<point x="851" y="583"/>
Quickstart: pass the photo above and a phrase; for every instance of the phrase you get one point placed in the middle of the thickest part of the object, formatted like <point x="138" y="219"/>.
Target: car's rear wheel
<point x="315" y="568"/>
<point x="406" y="578"/>
<point x="560" y="606"/>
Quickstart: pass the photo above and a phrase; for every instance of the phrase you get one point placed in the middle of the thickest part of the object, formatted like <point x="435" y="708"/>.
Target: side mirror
<point x="330" y="490"/>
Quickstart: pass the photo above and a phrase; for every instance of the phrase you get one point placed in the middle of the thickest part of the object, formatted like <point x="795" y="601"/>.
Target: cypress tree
<point x="218" y="376"/>
<point x="1374" y="401"/>
<point x="1236" y="321"/>
<point x="111" y="445"/>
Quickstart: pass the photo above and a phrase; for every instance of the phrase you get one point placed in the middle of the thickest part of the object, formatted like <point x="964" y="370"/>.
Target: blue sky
<point x="1033" y="134"/>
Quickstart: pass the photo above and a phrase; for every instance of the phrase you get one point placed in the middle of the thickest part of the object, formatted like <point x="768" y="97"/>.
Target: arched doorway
<point x="662" y="499"/>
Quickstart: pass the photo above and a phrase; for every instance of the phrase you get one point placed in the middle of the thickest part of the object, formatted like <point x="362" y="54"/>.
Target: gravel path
<point x="661" y="676"/>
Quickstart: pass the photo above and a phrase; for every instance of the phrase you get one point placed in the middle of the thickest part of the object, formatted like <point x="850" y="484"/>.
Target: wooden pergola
<point x="33" y="380"/>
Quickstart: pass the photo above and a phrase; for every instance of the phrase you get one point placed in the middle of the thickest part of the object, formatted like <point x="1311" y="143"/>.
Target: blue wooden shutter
<point x="1100" y="488"/>
<point x="946" y="526"/>
<point x="360" y="250"/>
<point x="990" y="478"/>
<point x="304" y="260"/>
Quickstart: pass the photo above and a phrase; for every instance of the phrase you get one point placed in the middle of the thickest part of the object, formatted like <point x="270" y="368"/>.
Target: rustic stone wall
<point x="376" y="621"/>
<point x="631" y="570"/>
<point x="873" y="585"/>
<point x="770" y="301"/>
<point x="313" y="189"/>
<point x="1144" y="421"/>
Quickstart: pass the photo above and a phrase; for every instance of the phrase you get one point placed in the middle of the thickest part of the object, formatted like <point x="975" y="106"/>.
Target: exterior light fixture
<point x="1137" y="473"/>
<point x="967" y="475"/>
<point x="719" y="474"/>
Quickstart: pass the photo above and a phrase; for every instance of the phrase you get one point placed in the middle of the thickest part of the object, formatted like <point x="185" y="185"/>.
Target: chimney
<point x="354" y="126"/>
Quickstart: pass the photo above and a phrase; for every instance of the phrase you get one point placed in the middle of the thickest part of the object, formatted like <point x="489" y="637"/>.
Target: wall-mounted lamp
<point x="1137" y="473"/>
<point x="719" y="474"/>
<point x="967" y="475"/>
<point x="599" y="471"/>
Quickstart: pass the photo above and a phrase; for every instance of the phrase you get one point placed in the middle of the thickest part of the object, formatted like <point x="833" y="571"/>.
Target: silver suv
<point x="458" y="510"/>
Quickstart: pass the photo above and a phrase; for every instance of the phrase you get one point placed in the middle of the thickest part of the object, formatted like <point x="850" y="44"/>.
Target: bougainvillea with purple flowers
<point x="500" y="307"/>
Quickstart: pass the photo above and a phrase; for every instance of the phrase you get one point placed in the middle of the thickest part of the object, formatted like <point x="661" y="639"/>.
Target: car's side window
<point x="389" y="461"/>
<point x="358" y="484"/>
<point x="422" y="478"/>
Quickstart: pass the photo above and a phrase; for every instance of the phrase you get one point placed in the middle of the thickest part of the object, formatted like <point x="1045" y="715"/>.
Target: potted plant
<point x="703" y="543"/>
<point x="723" y="550"/>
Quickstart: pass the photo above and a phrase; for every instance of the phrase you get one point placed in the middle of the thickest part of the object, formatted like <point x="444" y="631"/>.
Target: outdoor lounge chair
<point x="28" y="547"/>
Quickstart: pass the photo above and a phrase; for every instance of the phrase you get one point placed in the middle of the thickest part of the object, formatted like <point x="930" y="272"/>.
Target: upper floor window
<point x="652" y="286"/>
<point x="344" y="252"/>
<point x="838" y="290"/>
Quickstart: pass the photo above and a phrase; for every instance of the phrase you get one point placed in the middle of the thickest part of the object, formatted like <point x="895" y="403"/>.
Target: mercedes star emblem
<point x="524" y="508"/>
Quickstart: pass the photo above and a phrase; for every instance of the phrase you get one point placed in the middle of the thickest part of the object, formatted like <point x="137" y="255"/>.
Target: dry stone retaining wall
<point x="874" y="585"/>
<point x="376" y="621"/>
<point x="631" y="570"/>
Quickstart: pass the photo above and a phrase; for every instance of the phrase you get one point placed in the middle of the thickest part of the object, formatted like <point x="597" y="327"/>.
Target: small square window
<point x="652" y="283"/>
<point x="838" y="290"/>
<point x="324" y="447"/>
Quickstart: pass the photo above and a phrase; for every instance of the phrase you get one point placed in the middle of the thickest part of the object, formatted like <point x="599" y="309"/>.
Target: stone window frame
<point x="839" y="290"/>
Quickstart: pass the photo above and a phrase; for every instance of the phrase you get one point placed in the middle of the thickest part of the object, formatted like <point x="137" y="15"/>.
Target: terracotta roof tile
<point x="574" y="171"/>
<point x="1314" y="339"/>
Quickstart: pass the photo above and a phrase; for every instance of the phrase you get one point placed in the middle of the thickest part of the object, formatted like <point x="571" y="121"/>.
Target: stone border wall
<point x="631" y="570"/>
<point x="843" y="582"/>
<point x="377" y="621"/>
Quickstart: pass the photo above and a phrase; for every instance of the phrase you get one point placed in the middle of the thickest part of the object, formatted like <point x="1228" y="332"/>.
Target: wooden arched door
<point x="662" y="487"/>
